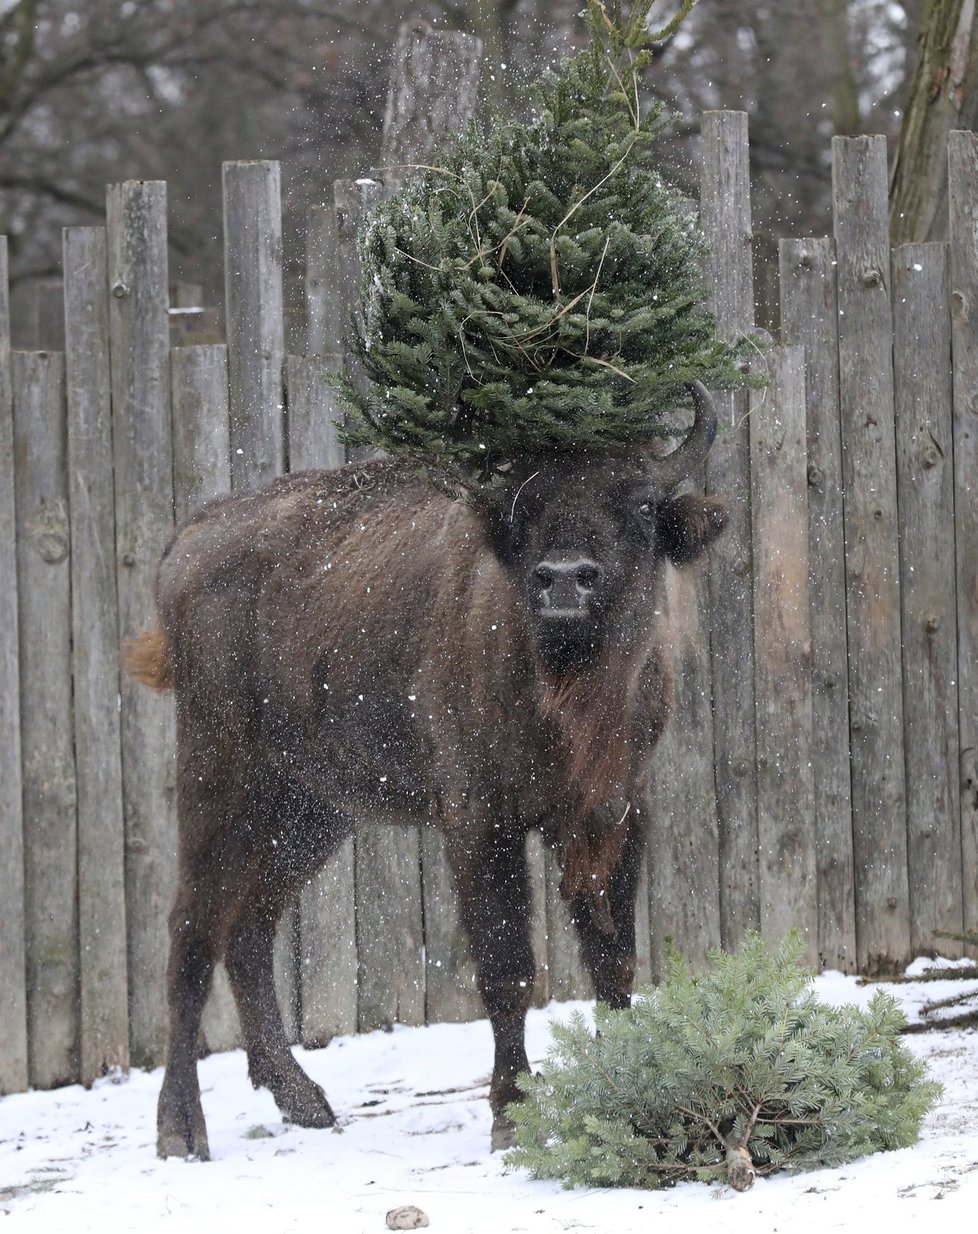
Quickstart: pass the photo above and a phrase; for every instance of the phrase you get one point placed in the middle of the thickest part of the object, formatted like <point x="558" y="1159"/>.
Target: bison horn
<point x="692" y="452"/>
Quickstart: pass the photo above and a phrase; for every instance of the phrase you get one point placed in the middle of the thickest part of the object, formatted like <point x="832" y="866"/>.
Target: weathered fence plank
<point x="324" y="313"/>
<point x="782" y="653"/>
<point x="353" y="200"/>
<point x="809" y="318"/>
<point x="433" y="91"/>
<point x="254" y="321"/>
<point x="922" y="382"/>
<point x="963" y="197"/>
<point x="328" y="952"/>
<point x="703" y="876"/>
<point x="327" y="913"/>
<point x="390" y="935"/>
<point x="643" y="928"/>
<point x="872" y="559"/>
<point x="143" y="463"/>
<point x="13" y="1004"/>
<point x="725" y="216"/>
<point x="680" y="807"/>
<point x="451" y="993"/>
<point x="389" y="895"/>
<point x="50" y="814"/>
<point x="104" y="1007"/>
<point x="201" y="430"/>
<point x="255" y="331"/>
<point x="314" y="416"/>
<point x="566" y="975"/>
<point x="202" y="470"/>
<point x="536" y="871"/>
<point x="38" y="316"/>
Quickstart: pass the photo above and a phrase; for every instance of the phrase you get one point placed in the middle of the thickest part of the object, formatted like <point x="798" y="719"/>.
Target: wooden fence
<point x="821" y="771"/>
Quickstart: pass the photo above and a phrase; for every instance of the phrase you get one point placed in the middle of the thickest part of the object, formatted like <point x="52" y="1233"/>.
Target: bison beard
<point x="352" y="645"/>
<point x="589" y="710"/>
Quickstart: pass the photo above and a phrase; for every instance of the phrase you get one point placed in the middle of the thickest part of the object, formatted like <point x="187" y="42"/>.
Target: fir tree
<point x="736" y="1072"/>
<point x="540" y="288"/>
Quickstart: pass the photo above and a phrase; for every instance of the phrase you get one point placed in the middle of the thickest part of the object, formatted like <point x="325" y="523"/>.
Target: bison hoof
<point x="180" y="1127"/>
<point x="176" y="1144"/>
<point x="309" y="1109"/>
<point x="503" y="1134"/>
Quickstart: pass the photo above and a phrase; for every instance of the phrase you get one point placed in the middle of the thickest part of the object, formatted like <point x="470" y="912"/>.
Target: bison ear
<point x="688" y="525"/>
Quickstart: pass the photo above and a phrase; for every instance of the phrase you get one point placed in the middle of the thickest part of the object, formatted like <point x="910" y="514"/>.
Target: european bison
<point x="352" y="646"/>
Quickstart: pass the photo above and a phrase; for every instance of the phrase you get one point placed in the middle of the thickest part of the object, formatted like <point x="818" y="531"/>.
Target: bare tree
<point x="943" y="96"/>
<point x="113" y="89"/>
<point x="166" y="89"/>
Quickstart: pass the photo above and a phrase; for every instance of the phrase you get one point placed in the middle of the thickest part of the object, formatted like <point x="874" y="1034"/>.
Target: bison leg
<point x="180" y="1120"/>
<point x="609" y="954"/>
<point x="270" y="1062"/>
<point x="494" y="898"/>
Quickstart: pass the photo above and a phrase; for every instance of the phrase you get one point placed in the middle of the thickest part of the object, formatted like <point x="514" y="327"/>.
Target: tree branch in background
<point x="943" y="96"/>
<point x="845" y="94"/>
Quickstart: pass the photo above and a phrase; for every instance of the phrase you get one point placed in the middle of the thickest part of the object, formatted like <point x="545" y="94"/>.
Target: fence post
<point x="255" y="331"/>
<point x="353" y="200"/>
<point x="726" y="221"/>
<point x="95" y="658"/>
<point x="410" y="965"/>
<point x="342" y="923"/>
<point x="925" y="473"/>
<point x="201" y="434"/>
<point x="327" y="923"/>
<point x="963" y="198"/>
<point x="202" y="470"/>
<point x="13" y="1005"/>
<point x="433" y="90"/>
<point x="810" y="317"/>
<point x="703" y="827"/>
<point x="782" y="653"/>
<point x="254" y="319"/>
<point x="324" y="313"/>
<point x="389" y="929"/>
<point x="143" y="461"/>
<point x="872" y="560"/>
<point x="50" y="814"/>
<point x="314" y="418"/>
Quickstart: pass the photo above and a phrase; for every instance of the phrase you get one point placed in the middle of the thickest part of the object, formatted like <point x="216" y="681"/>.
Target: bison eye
<point x="645" y="509"/>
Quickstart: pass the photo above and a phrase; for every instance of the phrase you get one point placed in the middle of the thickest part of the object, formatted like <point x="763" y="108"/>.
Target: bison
<point x="354" y="646"/>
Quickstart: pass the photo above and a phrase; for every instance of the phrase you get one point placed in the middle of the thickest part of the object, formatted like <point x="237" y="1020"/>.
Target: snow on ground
<point x="415" y="1130"/>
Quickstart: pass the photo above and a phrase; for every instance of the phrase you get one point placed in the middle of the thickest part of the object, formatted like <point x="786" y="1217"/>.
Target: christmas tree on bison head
<point x="538" y="290"/>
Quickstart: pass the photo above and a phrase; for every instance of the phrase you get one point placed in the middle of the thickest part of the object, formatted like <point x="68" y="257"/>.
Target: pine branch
<point x="538" y="288"/>
<point x="737" y="1072"/>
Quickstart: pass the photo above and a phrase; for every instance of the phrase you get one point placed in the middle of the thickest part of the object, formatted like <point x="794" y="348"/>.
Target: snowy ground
<point x="415" y="1130"/>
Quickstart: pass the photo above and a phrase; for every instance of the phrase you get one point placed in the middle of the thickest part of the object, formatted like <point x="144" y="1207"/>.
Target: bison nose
<point x="567" y="583"/>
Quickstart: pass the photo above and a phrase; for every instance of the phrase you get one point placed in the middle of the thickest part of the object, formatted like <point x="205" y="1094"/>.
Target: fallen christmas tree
<point x="539" y="289"/>
<point x="735" y="1072"/>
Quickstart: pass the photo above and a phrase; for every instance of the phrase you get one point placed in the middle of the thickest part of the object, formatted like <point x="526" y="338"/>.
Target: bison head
<point x="584" y="540"/>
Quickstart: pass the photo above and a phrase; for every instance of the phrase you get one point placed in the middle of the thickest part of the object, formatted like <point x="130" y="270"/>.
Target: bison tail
<point x="147" y="660"/>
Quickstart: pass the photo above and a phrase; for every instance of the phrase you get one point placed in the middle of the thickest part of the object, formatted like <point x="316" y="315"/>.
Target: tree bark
<point x="845" y="93"/>
<point x="943" y="96"/>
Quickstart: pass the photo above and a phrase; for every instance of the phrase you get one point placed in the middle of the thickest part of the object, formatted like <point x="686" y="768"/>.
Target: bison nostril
<point x="588" y="577"/>
<point x="544" y="576"/>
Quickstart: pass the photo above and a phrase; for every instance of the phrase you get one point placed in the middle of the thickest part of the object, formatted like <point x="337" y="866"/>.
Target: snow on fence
<point x="820" y="771"/>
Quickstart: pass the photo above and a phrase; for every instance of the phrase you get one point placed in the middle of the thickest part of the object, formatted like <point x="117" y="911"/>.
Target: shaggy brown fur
<point x="145" y="659"/>
<point x="351" y="646"/>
